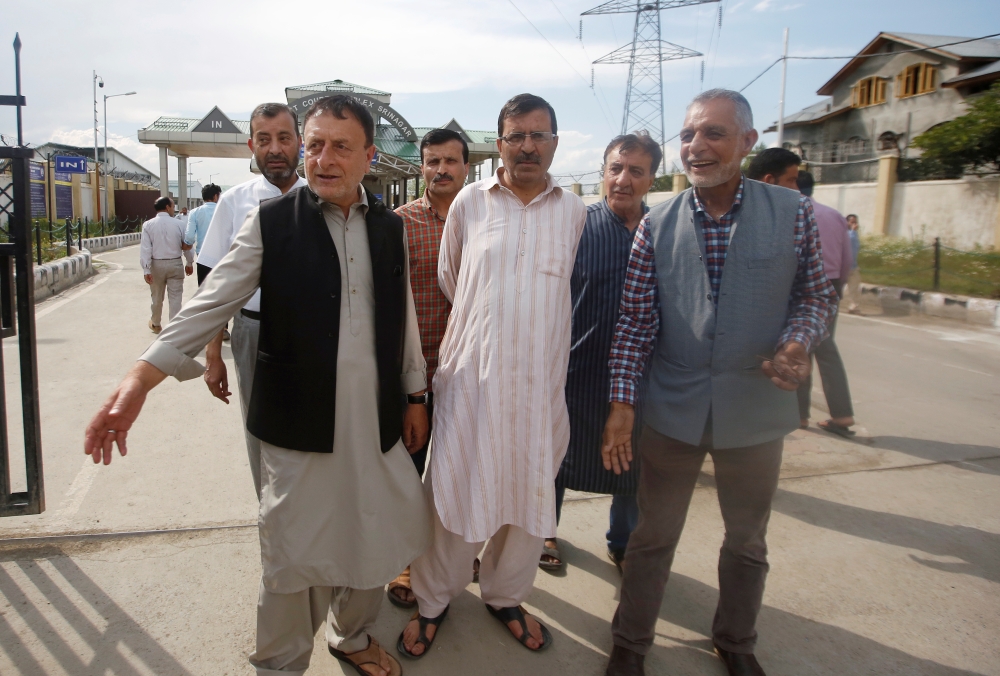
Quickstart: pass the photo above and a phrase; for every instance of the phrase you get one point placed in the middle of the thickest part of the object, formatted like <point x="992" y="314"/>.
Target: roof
<point x="475" y="135"/>
<point x="987" y="49"/>
<point x="88" y="152"/>
<point x="814" y="114"/>
<point x="338" y="86"/>
<point x="186" y="124"/>
<point x="990" y="71"/>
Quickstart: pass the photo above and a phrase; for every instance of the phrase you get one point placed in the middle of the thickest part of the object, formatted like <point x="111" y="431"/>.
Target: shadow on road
<point x="979" y="549"/>
<point x="113" y="644"/>
<point x="940" y="451"/>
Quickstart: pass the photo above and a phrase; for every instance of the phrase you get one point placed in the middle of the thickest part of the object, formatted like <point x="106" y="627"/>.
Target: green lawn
<point x="900" y="262"/>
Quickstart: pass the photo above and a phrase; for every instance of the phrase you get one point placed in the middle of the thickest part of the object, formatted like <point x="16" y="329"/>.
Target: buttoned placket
<point x="353" y="241"/>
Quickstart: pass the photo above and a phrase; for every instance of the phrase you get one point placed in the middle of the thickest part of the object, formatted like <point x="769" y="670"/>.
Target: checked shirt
<point x="812" y="302"/>
<point x="423" y="239"/>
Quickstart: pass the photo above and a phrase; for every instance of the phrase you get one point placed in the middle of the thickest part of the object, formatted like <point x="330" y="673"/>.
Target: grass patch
<point x="910" y="264"/>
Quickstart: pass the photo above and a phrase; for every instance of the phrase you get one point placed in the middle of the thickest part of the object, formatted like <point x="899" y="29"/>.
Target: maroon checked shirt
<point x="423" y="239"/>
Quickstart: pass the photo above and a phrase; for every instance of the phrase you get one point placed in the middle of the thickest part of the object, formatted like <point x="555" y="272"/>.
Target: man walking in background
<point x="630" y="164"/>
<point x="275" y="143"/>
<point x="854" y="276"/>
<point x="198" y="222"/>
<point x="160" y="248"/>
<point x="444" y="163"/>
<point x="730" y="350"/>
<point x="835" y="239"/>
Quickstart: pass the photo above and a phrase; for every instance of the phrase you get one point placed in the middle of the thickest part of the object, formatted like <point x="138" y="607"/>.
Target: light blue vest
<point x="706" y="358"/>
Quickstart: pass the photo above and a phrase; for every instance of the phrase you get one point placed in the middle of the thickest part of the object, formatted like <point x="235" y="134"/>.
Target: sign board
<point x="64" y="201"/>
<point x="216" y="122"/>
<point x="36" y="172"/>
<point x="38" y="199"/>
<point x="71" y="165"/>
<point x="63" y="176"/>
<point x="375" y="107"/>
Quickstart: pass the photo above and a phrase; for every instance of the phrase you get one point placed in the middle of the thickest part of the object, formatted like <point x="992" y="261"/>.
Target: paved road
<point x="885" y="551"/>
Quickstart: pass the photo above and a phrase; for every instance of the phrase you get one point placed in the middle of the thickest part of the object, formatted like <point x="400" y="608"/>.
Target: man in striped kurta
<point x="630" y="163"/>
<point x="500" y="422"/>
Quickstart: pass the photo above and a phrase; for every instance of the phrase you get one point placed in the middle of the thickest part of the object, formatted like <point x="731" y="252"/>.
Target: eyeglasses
<point x="537" y="137"/>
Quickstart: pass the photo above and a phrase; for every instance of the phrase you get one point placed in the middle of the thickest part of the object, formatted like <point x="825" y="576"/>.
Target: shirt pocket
<point x="554" y="254"/>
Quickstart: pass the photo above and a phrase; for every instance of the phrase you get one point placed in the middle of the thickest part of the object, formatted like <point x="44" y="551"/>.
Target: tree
<point x="970" y="142"/>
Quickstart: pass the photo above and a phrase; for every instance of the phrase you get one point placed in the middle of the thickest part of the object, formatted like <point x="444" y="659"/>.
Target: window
<point x="920" y="78"/>
<point x="868" y="92"/>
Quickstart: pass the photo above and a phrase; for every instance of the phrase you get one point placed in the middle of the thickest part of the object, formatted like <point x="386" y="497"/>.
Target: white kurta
<point x="351" y="518"/>
<point x="500" y="422"/>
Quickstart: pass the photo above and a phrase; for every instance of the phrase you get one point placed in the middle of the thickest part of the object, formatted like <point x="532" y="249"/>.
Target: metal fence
<point x="53" y="240"/>
<point x="934" y="267"/>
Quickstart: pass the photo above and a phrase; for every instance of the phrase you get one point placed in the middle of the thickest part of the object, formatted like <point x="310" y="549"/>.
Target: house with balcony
<point x="897" y="87"/>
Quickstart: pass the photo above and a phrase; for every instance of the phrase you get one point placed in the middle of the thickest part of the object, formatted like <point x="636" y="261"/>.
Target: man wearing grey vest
<point x="724" y="299"/>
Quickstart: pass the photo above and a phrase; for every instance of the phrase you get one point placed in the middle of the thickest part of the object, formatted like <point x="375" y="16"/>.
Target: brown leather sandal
<point x="402" y="581"/>
<point x="373" y="655"/>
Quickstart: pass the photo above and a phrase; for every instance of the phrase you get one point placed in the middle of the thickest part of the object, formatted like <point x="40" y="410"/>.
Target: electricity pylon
<point x="645" y="57"/>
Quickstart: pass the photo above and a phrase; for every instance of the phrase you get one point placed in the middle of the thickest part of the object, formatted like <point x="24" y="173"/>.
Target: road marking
<point x="991" y="338"/>
<point x="77" y="492"/>
<point x="81" y="292"/>
<point x="933" y="361"/>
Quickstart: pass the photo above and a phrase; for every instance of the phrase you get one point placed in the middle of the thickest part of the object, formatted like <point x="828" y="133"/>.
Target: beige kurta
<point x="500" y="422"/>
<point x="351" y="518"/>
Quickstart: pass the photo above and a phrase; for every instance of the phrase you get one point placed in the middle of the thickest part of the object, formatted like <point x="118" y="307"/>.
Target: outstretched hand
<point x="118" y="413"/>
<point x="616" y="447"/>
<point x="790" y="367"/>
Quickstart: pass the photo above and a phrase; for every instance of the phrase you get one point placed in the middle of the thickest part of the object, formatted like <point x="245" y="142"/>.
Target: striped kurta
<point x="500" y="420"/>
<point x="596" y="287"/>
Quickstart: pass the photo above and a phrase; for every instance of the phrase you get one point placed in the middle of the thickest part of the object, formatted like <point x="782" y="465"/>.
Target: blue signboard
<point x="63" y="176"/>
<point x="36" y="172"/>
<point x="64" y="201"/>
<point x="71" y="165"/>
<point x="38" y="200"/>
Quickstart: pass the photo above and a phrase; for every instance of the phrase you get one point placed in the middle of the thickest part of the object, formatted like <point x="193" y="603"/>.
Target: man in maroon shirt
<point x="444" y="163"/>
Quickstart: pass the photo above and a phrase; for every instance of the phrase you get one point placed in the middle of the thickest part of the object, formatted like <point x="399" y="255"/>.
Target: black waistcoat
<point x="294" y="392"/>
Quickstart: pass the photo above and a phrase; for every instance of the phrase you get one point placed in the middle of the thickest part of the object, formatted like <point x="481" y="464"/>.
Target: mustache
<point x="528" y="157"/>
<point x="443" y="177"/>
<point x="276" y="157"/>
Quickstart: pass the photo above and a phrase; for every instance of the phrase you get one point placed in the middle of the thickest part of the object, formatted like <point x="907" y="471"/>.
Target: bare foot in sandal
<point x="412" y="633"/>
<point x="400" y="592"/>
<point x="535" y="638"/>
<point x="373" y="660"/>
<point x="550" y="556"/>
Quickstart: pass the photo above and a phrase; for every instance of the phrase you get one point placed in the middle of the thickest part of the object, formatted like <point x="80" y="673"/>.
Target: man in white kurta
<point x="501" y="426"/>
<point x="334" y="527"/>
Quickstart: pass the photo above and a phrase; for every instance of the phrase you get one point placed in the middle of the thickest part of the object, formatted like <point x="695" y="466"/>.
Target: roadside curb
<point x="59" y="275"/>
<point x="897" y="301"/>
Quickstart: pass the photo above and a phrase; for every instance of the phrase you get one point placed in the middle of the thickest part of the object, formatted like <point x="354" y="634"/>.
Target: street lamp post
<point x="106" y="97"/>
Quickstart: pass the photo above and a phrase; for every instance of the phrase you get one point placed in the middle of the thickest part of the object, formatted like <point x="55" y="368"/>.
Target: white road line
<point x="987" y="336"/>
<point x="932" y="361"/>
<point x="77" y="492"/>
<point x="81" y="292"/>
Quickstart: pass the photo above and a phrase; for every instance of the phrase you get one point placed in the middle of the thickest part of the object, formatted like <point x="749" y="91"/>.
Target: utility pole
<point x="781" y="102"/>
<point x="106" y="97"/>
<point x="97" y="159"/>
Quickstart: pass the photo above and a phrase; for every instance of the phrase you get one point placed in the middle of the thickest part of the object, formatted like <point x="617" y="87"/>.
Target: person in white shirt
<point x="501" y="427"/>
<point x="160" y="250"/>
<point x="275" y="142"/>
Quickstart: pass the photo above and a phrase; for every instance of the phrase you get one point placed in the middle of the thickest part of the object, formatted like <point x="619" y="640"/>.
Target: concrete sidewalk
<point x="885" y="551"/>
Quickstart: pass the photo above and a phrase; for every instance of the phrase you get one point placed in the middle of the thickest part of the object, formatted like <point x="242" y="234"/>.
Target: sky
<point x="440" y="59"/>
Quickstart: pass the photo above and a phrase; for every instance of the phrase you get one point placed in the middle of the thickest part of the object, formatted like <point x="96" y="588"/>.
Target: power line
<point x="572" y="67"/>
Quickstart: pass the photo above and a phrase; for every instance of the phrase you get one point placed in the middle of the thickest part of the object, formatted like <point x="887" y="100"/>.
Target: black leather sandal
<point x="422" y="637"/>
<point x="516" y="614"/>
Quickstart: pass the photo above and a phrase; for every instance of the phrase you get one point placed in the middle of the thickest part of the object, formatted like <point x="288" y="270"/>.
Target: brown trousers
<point x="746" y="479"/>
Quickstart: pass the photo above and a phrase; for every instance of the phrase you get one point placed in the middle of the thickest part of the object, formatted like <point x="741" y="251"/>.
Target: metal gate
<point x="17" y="316"/>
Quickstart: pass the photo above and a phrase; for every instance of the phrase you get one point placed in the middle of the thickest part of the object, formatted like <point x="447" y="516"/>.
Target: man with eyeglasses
<point x="501" y="426"/>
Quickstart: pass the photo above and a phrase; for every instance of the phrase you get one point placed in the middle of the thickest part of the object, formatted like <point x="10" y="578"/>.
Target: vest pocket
<point x="553" y="252"/>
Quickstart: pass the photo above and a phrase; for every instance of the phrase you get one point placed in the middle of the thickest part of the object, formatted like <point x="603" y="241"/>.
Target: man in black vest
<point x="342" y="510"/>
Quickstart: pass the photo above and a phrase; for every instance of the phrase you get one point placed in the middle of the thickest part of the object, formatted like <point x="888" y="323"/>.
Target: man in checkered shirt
<point x="444" y="163"/>
<point x="724" y="299"/>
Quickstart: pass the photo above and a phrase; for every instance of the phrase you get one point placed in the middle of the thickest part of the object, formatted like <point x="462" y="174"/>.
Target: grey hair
<point x="744" y="115"/>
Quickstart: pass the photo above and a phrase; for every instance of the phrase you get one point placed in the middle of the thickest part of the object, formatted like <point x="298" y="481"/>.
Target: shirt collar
<point x="426" y="201"/>
<point x="361" y="203"/>
<point x="737" y="202"/>
<point x="607" y="208"/>
<point x="273" y="190"/>
<point x="494" y="182"/>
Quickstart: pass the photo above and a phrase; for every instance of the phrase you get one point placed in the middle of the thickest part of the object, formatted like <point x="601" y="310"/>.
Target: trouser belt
<point x="250" y="314"/>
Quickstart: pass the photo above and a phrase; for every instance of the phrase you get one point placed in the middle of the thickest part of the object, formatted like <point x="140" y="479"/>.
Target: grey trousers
<point x="243" y="340"/>
<point x="831" y="368"/>
<point x="746" y="479"/>
<point x="287" y="625"/>
<point x="168" y="275"/>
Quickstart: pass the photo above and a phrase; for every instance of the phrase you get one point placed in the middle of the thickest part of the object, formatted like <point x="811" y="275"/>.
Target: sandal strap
<point x="370" y="655"/>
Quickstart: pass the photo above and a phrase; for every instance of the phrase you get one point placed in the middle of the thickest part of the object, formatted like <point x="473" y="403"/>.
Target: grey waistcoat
<point x="706" y="358"/>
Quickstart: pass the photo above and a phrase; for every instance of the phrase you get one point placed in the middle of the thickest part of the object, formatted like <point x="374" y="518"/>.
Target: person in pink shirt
<point x="780" y="166"/>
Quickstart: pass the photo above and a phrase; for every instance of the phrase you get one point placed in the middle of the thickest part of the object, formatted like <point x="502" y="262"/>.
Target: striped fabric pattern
<point x="500" y="421"/>
<point x="596" y="287"/>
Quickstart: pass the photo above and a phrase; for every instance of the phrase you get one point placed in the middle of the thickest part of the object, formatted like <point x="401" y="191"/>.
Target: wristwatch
<point x="416" y="398"/>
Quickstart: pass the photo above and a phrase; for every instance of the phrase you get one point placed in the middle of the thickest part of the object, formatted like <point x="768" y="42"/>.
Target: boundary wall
<point x="59" y="275"/>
